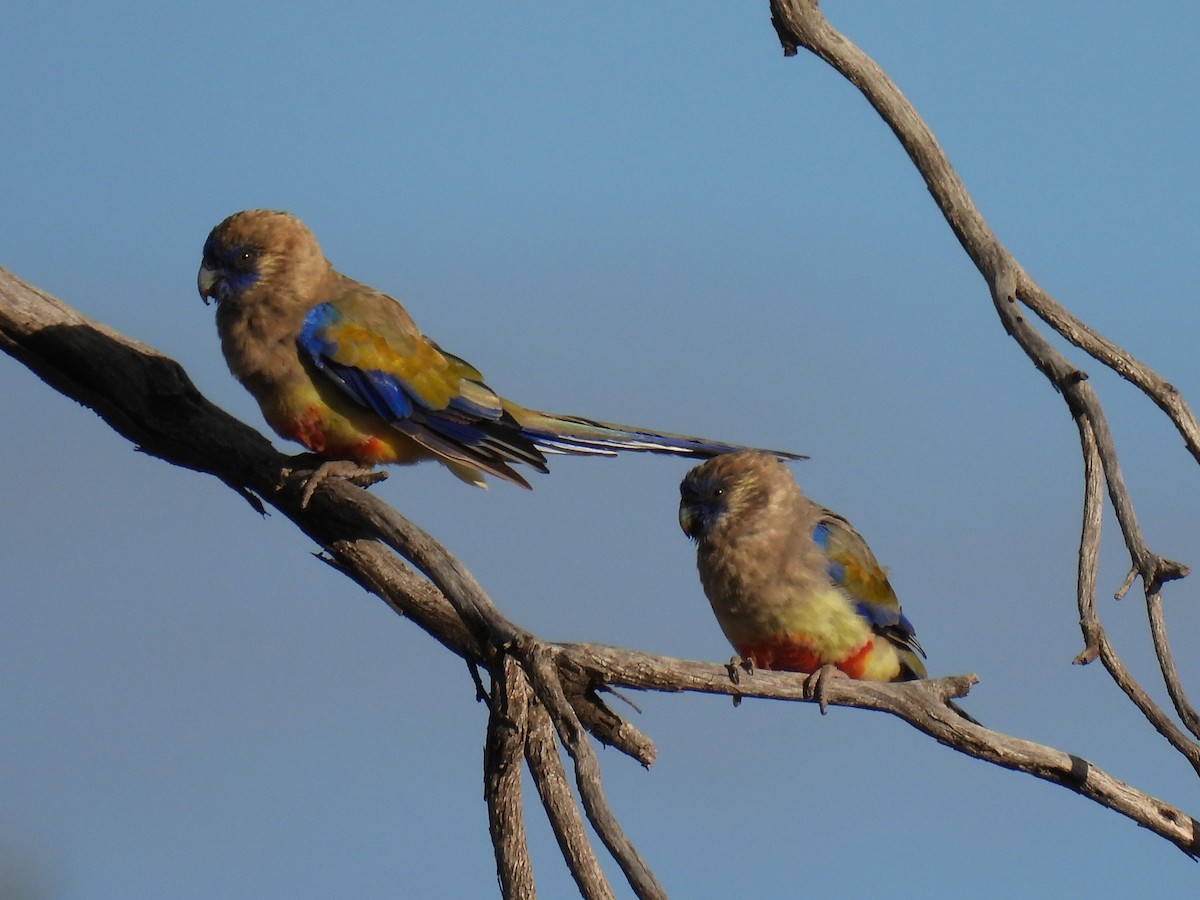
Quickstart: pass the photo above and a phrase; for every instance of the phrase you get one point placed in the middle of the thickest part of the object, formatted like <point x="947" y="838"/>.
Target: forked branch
<point x="537" y="689"/>
<point x="799" y="23"/>
<point x="545" y="696"/>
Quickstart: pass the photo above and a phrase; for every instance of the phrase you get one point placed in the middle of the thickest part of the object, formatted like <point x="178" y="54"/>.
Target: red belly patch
<point x="791" y="655"/>
<point x="310" y="430"/>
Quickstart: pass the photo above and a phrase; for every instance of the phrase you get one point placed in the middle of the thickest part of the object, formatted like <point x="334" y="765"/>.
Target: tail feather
<point x="966" y="715"/>
<point x="554" y="433"/>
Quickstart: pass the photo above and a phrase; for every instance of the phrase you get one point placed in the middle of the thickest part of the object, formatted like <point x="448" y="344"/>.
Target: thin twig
<point x="1159" y="390"/>
<point x="1166" y="662"/>
<point x="1089" y="545"/>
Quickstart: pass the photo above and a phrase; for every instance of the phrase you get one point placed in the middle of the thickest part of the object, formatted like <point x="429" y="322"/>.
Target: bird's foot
<point x="814" y="684"/>
<point x="330" y="468"/>
<point x="735" y="667"/>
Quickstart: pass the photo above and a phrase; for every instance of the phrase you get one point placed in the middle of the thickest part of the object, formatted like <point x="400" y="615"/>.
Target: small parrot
<point x="793" y="586"/>
<point x="342" y="369"/>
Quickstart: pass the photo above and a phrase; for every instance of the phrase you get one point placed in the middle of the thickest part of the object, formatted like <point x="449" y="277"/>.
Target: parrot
<point x="342" y="369"/>
<point x="794" y="587"/>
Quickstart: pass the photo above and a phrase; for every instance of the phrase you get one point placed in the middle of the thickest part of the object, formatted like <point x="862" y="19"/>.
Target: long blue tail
<point x="553" y="433"/>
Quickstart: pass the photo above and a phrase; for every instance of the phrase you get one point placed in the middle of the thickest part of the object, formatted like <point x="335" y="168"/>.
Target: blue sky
<point x="638" y="212"/>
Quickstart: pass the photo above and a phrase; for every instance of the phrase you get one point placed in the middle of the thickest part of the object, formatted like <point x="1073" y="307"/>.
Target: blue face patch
<point x="236" y="268"/>
<point x="707" y="500"/>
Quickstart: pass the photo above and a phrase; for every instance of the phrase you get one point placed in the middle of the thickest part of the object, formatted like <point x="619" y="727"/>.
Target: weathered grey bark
<point x="149" y="399"/>
<point x="540" y="692"/>
<point x="799" y="23"/>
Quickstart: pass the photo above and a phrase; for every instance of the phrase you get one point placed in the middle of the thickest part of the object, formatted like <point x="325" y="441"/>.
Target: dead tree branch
<point x="544" y="696"/>
<point x="799" y="23"/>
<point x="537" y="688"/>
<point x="502" y="753"/>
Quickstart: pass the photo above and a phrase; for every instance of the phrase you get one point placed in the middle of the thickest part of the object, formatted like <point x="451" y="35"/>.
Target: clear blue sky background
<point x="640" y="212"/>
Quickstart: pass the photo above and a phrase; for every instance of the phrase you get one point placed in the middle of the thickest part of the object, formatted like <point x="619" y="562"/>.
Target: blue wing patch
<point x="467" y="430"/>
<point x="380" y="392"/>
<point x="884" y="620"/>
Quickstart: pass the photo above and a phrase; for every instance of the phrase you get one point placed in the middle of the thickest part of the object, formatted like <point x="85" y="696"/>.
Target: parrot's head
<point x="257" y="251"/>
<point x="725" y="488"/>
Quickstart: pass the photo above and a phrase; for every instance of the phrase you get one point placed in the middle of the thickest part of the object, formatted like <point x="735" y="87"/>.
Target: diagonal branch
<point x="1166" y="660"/>
<point x="923" y="705"/>
<point x="1159" y="390"/>
<point x="1089" y="546"/>
<point x="148" y="398"/>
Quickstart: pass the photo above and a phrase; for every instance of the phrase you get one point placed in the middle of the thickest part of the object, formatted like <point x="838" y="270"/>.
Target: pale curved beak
<point x="206" y="282"/>
<point x="687" y="519"/>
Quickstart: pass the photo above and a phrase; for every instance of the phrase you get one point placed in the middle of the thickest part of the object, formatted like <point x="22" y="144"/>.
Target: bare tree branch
<point x="1166" y="660"/>
<point x="540" y="691"/>
<point x="507" y="726"/>
<point x="546" y="767"/>
<point x="923" y="705"/>
<point x="1089" y="545"/>
<point x="535" y="657"/>
<point x="1163" y="393"/>
<point x="799" y="23"/>
<point x="148" y="398"/>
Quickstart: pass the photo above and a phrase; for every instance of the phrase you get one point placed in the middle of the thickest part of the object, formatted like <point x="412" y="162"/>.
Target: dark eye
<point x="244" y="260"/>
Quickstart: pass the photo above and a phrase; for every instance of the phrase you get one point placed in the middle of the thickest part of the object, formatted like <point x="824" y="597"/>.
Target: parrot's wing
<point x="366" y="345"/>
<point x="853" y="567"/>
